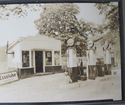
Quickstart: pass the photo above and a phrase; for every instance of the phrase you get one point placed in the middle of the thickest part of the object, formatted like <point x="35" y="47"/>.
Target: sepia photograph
<point x="60" y="52"/>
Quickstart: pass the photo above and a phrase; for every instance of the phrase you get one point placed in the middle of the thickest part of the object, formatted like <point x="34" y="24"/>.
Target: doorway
<point x="39" y="61"/>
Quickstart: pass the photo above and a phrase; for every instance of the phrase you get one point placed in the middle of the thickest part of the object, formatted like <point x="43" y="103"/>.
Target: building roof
<point x="36" y="38"/>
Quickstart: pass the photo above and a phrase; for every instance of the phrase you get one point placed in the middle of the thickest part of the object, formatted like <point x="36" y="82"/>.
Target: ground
<point x="55" y="87"/>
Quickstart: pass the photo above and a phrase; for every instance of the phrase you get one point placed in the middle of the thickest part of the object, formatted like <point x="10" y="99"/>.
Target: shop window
<point x="48" y="57"/>
<point x="57" y="58"/>
<point x="25" y="59"/>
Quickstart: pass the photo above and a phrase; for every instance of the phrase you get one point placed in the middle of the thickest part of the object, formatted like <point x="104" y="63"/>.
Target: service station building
<point x="35" y="54"/>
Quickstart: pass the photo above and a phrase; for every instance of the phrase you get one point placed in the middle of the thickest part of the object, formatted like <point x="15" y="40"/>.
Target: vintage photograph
<point x="60" y="52"/>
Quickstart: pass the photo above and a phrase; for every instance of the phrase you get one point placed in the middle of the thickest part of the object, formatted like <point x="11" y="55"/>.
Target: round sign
<point x="70" y="42"/>
<point x="90" y="44"/>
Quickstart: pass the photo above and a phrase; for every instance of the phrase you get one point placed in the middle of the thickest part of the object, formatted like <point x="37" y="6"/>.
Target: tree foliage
<point x="60" y="21"/>
<point x="111" y="13"/>
<point x="19" y="10"/>
<point x="56" y="20"/>
<point x="111" y="25"/>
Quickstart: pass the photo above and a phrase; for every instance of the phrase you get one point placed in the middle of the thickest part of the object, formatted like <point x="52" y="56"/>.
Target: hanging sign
<point x="90" y="44"/>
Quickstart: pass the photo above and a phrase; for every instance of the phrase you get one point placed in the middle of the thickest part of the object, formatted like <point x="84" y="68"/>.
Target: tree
<point x="57" y="20"/>
<point x="19" y="10"/>
<point x="111" y="13"/>
<point x="111" y="25"/>
<point x="60" y="21"/>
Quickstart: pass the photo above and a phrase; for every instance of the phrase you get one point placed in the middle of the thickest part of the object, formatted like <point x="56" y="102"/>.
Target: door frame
<point x="34" y="60"/>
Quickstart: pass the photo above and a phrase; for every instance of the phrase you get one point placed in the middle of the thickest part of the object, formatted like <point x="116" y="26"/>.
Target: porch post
<point x="52" y="58"/>
<point x="30" y="58"/>
<point x="44" y="61"/>
<point x="34" y="62"/>
<point x="60" y="58"/>
<point x="87" y="74"/>
<point x="21" y="62"/>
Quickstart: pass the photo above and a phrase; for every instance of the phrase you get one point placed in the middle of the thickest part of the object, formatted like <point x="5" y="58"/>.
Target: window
<point x="25" y="58"/>
<point x="56" y="58"/>
<point x="48" y="57"/>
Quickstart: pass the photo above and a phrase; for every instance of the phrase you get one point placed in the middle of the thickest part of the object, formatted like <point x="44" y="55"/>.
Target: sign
<point x="8" y="77"/>
<point x="70" y="42"/>
<point x="90" y="44"/>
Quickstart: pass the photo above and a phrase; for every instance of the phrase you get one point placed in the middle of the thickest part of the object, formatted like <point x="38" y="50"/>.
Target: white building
<point x="35" y="54"/>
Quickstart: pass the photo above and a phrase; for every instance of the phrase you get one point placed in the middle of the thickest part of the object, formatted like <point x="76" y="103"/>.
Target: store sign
<point x="8" y="77"/>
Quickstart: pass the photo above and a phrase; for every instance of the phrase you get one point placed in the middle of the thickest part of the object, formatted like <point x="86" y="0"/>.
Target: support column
<point x="30" y="58"/>
<point x="53" y="58"/>
<point x="44" y="61"/>
<point x="87" y="72"/>
<point x="34" y="65"/>
<point x="60" y="57"/>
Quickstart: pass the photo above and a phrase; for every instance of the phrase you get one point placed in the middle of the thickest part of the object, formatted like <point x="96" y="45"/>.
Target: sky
<point x="15" y="27"/>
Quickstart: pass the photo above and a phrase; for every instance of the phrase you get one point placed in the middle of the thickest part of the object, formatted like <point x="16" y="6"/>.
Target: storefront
<point x="35" y="54"/>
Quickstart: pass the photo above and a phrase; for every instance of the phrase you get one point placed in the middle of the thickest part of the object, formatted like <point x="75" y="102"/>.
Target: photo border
<point x="122" y="46"/>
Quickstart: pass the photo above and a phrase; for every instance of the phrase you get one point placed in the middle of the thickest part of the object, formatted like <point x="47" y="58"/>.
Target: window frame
<point x="46" y="58"/>
<point x="28" y="58"/>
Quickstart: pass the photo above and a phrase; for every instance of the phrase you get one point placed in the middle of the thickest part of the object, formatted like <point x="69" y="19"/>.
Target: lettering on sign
<point x="8" y="77"/>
